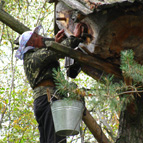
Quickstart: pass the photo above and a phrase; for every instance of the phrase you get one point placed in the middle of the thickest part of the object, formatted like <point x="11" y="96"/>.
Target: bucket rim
<point x="60" y="100"/>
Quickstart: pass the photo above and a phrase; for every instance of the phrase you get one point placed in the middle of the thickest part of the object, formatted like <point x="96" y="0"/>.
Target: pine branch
<point x="67" y="89"/>
<point x="130" y="68"/>
<point x="64" y="88"/>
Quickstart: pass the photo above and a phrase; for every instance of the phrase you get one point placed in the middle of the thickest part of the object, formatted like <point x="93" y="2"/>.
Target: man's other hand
<point x="59" y="36"/>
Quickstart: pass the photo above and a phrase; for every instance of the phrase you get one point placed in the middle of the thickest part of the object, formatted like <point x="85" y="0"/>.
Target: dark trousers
<point x="44" y="118"/>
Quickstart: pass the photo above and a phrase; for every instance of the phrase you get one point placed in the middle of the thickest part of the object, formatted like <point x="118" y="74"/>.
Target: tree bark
<point x="131" y="122"/>
<point x="12" y="22"/>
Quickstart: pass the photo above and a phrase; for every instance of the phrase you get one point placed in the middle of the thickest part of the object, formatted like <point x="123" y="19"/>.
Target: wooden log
<point x="88" y="4"/>
<point x="94" y="128"/>
<point x="78" y="6"/>
<point x="12" y="22"/>
<point x="85" y="59"/>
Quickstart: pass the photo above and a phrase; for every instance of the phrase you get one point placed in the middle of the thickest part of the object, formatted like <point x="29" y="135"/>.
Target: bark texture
<point x="131" y="123"/>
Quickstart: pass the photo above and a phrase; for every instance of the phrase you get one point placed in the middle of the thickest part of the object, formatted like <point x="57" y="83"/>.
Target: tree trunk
<point x="131" y="122"/>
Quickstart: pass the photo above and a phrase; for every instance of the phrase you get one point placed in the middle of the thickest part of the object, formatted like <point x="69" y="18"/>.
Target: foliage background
<point x="17" y="122"/>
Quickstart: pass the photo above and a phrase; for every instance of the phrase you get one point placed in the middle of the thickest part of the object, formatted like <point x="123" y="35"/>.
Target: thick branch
<point x="85" y="59"/>
<point x="95" y="128"/>
<point x="93" y="72"/>
<point x="12" y="22"/>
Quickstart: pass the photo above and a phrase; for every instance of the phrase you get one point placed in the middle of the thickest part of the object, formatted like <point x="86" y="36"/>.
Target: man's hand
<point x="59" y="36"/>
<point x="78" y="30"/>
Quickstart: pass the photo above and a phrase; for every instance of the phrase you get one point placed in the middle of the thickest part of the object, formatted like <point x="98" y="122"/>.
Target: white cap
<point x="24" y="38"/>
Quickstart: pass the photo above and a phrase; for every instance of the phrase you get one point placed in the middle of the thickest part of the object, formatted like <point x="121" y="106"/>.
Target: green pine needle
<point x="130" y="67"/>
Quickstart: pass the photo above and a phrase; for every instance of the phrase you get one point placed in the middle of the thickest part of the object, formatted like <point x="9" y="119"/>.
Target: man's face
<point x="35" y="41"/>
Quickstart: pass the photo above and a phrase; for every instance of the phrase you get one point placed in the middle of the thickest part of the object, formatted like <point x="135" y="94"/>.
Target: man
<point x="38" y="65"/>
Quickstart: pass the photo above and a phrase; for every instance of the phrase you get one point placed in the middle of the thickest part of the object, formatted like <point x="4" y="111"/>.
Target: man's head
<point x="36" y="41"/>
<point x="29" y="40"/>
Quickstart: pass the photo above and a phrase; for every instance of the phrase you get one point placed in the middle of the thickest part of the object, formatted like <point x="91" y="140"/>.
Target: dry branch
<point x="95" y="128"/>
<point x="12" y="22"/>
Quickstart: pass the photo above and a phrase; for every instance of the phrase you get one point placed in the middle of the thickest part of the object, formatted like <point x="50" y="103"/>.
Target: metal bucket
<point x="67" y="116"/>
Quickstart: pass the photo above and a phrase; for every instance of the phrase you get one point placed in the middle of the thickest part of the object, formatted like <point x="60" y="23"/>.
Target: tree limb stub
<point x="94" y="128"/>
<point x="12" y="22"/>
<point x="85" y="59"/>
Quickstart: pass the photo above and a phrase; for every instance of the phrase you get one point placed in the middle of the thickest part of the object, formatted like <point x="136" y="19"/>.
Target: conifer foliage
<point x="130" y="68"/>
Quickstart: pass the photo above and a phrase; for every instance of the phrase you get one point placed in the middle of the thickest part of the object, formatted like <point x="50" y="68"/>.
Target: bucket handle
<point x="54" y="95"/>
